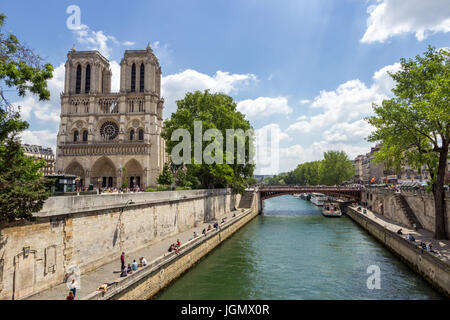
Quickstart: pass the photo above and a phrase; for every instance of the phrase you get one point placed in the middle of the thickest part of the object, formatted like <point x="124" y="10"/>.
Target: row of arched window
<point x="84" y="136"/>
<point x="87" y="82"/>
<point x="141" y="78"/>
<point x="140" y="135"/>
<point x="76" y="135"/>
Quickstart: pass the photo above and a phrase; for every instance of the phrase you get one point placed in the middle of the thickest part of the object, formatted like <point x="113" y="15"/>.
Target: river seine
<point x="292" y="252"/>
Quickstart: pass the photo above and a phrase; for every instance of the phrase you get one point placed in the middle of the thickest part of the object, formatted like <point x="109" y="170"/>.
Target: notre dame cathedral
<point x="110" y="139"/>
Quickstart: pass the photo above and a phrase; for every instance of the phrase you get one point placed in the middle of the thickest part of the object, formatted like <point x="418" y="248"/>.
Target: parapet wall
<point x="421" y="203"/>
<point x="86" y="232"/>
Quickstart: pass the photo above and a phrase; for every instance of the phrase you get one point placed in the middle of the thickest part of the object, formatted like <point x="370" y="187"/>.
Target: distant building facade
<point x="38" y="153"/>
<point x="111" y="139"/>
<point x="368" y="171"/>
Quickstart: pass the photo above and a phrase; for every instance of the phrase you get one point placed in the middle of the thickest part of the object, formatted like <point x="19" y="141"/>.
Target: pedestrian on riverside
<point x="73" y="287"/>
<point x="122" y="260"/>
<point x="70" y="296"/>
<point x="178" y="243"/>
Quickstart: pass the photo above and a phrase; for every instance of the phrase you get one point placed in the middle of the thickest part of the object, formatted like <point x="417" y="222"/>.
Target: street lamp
<point x="126" y="204"/>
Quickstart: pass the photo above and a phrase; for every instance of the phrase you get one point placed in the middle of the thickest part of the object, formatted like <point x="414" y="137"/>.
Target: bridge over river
<point x="267" y="192"/>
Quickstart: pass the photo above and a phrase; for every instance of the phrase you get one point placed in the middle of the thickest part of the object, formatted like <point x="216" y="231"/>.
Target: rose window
<point x="109" y="130"/>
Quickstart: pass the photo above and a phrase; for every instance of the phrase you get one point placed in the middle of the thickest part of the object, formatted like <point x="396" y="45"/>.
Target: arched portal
<point x="103" y="173"/>
<point x="134" y="174"/>
<point x="76" y="169"/>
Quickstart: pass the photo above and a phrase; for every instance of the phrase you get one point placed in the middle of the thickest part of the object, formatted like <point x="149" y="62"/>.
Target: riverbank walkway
<point x="421" y="235"/>
<point x="110" y="272"/>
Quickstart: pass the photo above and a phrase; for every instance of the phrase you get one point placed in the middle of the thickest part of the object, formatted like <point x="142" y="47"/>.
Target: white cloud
<point x="95" y="40"/>
<point x="300" y="126"/>
<point x="128" y="43"/>
<point x="305" y="101"/>
<point x="46" y="111"/>
<point x="390" y="18"/>
<point x="175" y="86"/>
<point x="338" y="125"/>
<point x="264" y="106"/>
<point x="43" y="138"/>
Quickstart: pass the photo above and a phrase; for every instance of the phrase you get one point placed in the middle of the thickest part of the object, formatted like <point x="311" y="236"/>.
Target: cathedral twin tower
<point x="111" y="139"/>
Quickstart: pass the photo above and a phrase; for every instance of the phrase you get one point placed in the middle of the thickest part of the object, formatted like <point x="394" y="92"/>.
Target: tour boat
<point x="318" y="198"/>
<point x="331" y="209"/>
<point x="305" y="196"/>
<point x="296" y="195"/>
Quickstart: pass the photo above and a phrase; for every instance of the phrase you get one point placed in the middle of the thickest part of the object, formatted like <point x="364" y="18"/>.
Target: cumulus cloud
<point x="264" y="106"/>
<point x="46" y="111"/>
<point x="305" y="101"/>
<point x="175" y="86"/>
<point x="43" y="138"/>
<point x="391" y="18"/>
<point x="339" y="123"/>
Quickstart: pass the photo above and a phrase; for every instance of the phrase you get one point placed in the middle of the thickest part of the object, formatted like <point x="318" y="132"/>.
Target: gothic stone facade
<point x="108" y="139"/>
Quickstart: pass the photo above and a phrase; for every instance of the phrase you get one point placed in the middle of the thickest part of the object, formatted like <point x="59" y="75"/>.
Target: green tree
<point x="335" y="168"/>
<point x="165" y="178"/>
<point x="215" y="111"/>
<point x="414" y="126"/>
<point x="22" y="185"/>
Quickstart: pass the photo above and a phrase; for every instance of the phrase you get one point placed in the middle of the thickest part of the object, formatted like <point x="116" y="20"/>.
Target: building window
<point x="141" y="134"/>
<point x="87" y="86"/>
<point x="85" y="136"/>
<point x="141" y="78"/>
<point x="75" y="136"/>
<point x="133" y="78"/>
<point x="78" y="80"/>
<point x="131" y="135"/>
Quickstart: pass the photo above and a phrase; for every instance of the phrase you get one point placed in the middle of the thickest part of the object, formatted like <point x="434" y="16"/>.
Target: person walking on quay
<point x="73" y="287"/>
<point x="122" y="260"/>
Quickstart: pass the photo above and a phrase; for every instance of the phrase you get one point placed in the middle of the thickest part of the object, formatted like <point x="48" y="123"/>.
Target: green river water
<point x="292" y="252"/>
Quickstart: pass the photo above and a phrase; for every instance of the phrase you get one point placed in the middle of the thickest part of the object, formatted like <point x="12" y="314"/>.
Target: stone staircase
<point x="403" y="204"/>
<point x="246" y="200"/>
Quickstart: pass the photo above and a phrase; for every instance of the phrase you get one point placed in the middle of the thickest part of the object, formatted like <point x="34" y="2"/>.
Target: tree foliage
<point x="165" y="178"/>
<point x="334" y="169"/>
<point x="22" y="186"/>
<point x="414" y="126"/>
<point x="215" y="111"/>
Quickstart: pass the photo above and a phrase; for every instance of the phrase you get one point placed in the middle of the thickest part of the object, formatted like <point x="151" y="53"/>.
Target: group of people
<point x="423" y="246"/>
<point x="131" y="266"/>
<point x="175" y="246"/>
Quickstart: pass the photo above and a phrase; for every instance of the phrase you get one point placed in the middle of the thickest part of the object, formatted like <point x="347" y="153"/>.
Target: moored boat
<point x="318" y="198"/>
<point x="331" y="209"/>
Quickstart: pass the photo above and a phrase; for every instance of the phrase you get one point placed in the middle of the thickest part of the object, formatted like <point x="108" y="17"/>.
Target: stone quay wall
<point x="421" y="203"/>
<point x="86" y="232"/>
<point x="148" y="281"/>
<point x="435" y="271"/>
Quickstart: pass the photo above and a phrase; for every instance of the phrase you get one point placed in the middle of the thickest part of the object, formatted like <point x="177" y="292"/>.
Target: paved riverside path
<point x="110" y="272"/>
<point x="421" y="235"/>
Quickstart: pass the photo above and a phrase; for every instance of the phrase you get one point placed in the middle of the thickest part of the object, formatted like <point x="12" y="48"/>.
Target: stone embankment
<point x="85" y="233"/>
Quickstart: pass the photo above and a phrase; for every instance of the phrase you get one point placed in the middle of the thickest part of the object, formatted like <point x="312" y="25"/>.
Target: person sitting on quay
<point x="142" y="262"/>
<point x="209" y="227"/>
<point x="399" y="231"/>
<point x="204" y="232"/>
<point x="134" y="265"/>
<point x="234" y="215"/>
<point x="410" y="237"/>
<point x="70" y="296"/>
<point x="105" y="286"/>
<point x="195" y="235"/>
<point x="216" y="225"/>
<point x="178" y="243"/>
<point x="129" y="269"/>
<point x="124" y="272"/>
<point x="172" y="247"/>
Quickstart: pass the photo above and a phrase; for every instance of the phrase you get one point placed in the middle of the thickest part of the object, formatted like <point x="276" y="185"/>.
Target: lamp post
<point x="127" y="203"/>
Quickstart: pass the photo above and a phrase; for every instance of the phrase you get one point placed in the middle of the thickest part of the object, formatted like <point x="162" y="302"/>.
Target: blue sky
<point x="307" y="70"/>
